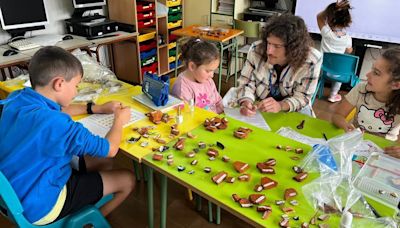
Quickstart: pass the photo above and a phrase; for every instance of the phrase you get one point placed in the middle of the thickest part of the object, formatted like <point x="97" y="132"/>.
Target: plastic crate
<point x="151" y="68"/>
<point x="146" y="23"/>
<point x="174" y="17"/>
<point x="146" y="36"/>
<point x="148" y="54"/>
<point x="172" y="65"/>
<point x="172" y="3"/>
<point x="147" y="45"/>
<point x="172" y="52"/>
<point x="173" y="10"/>
<point x="171" y="45"/>
<point x="145" y="6"/>
<point x="172" y="37"/>
<point x="174" y="24"/>
<point x="147" y="62"/>
<point x="146" y="15"/>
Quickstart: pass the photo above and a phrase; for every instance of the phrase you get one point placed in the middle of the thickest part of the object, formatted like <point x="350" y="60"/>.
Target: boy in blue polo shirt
<point x="38" y="140"/>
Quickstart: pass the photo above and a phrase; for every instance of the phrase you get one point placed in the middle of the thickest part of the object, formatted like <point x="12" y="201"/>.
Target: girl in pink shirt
<point x="201" y="58"/>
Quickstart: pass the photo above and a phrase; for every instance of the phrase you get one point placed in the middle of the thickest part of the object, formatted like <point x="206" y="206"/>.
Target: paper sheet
<point x="256" y="120"/>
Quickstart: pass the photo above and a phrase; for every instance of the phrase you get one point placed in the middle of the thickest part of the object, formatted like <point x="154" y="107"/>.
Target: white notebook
<point x="172" y="102"/>
<point x="100" y="124"/>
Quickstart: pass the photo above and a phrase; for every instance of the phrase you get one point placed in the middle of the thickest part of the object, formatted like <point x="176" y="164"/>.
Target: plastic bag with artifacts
<point x="333" y="192"/>
<point x="93" y="71"/>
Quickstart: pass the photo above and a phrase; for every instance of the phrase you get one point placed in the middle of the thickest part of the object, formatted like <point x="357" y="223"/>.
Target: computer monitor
<point x="22" y="15"/>
<point x="88" y="3"/>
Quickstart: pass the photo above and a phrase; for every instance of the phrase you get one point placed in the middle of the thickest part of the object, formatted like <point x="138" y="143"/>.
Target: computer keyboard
<point x="23" y="45"/>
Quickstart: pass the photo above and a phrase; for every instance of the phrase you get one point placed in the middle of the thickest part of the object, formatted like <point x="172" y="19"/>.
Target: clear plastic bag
<point x="333" y="192"/>
<point x="93" y="71"/>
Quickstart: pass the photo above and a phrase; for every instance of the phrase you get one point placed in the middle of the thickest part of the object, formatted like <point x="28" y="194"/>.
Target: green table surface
<point x="258" y="147"/>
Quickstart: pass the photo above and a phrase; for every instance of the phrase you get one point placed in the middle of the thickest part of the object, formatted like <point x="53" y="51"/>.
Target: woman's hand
<point x="342" y="4"/>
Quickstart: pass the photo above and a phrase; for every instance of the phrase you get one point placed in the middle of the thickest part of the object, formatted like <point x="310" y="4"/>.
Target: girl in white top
<point x="333" y="22"/>
<point x="377" y="101"/>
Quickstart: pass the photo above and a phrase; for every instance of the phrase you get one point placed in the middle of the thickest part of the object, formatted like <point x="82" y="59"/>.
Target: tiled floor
<point x="181" y="211"/>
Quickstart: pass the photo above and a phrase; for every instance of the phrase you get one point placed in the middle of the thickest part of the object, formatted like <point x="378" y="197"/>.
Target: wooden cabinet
<point x="154" y="50"/>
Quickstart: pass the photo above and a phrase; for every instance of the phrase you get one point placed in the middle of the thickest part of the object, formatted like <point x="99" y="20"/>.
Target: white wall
<point x="58" y="11"/>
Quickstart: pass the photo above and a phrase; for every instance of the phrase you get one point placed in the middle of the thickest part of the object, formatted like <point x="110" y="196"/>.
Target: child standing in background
<point x="377" y="101"/>
<point x="333" y="22"/>
<point x="201" y="58"/>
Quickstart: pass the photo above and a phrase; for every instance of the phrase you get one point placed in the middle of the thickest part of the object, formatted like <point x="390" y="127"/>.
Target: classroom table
<point x="225" y="41"/>
<point x="258" y="147"/>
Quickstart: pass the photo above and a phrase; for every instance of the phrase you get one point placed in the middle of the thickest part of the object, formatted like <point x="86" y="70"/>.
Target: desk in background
<point x="77" y="42"/>
<point x="228" y="40"/>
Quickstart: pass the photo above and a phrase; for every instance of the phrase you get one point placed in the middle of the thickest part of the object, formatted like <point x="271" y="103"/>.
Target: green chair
<point x="250" y="30"/>
<point x="337" y="67"/>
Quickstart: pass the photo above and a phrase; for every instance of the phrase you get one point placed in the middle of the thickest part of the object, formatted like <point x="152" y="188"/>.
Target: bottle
<point x="191" y="105"/>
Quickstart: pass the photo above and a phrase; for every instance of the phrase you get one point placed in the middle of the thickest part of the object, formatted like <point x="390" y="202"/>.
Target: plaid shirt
<point x="297" y="88"/>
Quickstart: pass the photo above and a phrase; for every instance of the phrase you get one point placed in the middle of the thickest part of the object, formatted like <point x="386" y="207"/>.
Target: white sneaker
<point x="335" y="98"/>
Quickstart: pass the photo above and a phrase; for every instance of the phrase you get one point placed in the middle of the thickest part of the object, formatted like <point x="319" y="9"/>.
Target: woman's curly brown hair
<point x="293" y="32"/>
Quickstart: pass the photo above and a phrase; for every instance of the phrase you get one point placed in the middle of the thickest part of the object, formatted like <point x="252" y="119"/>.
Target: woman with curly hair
<point x="282" y="70"/>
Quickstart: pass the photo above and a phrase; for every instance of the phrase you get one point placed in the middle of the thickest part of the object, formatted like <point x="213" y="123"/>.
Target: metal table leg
<point x="150" y="199"/>
<point x="164" y="182"/>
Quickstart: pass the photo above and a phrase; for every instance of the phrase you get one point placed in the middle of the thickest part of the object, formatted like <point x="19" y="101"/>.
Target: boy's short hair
<point x="52" y="61"/>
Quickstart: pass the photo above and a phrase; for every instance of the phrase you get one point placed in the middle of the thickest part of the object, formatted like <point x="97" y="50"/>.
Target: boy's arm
<point x="80" y="109"/>
<point x="121" y="117"/>
<point x="339" y="118"/>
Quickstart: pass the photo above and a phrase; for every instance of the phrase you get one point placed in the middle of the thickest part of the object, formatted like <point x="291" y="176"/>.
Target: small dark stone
<point x="220" y="145"/>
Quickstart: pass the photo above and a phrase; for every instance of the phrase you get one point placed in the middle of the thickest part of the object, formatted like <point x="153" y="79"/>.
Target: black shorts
<point x="82" y="189"/>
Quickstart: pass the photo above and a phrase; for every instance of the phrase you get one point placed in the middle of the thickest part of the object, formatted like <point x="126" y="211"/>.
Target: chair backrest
<point x="10" y="202"/>
<point x="11" y="207"/>
<point x="340" y="64"/>
<point x="251" y="28"/>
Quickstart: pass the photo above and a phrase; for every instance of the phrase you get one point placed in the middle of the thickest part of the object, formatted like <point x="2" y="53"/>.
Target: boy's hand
<point x="269" y="105"/>
<point x="247" y="108"/>
<point x="107" y="108"/>
<point x="122" y="115"/>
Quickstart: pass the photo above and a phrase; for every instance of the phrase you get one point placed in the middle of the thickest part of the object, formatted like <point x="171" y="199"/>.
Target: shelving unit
<point x="155" y="45"/>
<point x="224" y="11"/>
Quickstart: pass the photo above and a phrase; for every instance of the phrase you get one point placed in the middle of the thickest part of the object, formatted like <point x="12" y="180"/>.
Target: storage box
<point x="145" y="6"/>
<point x="172" y="3"/>
<point x="146" y="15"/>
<point x="146" y="36"/>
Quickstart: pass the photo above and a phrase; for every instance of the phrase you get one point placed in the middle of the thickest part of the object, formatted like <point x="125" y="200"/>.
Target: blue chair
<point x="11" y="208"/>
<point x="337" y="67"/>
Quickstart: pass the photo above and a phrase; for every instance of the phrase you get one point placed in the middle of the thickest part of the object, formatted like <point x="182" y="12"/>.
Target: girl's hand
<point x="342" y="4"/>
<point x="348" y="127"/>
<point x="393" y="151"/>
